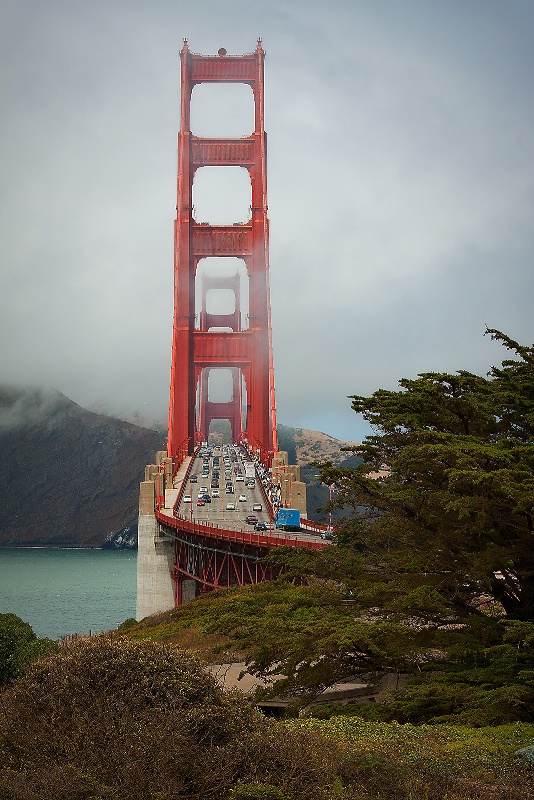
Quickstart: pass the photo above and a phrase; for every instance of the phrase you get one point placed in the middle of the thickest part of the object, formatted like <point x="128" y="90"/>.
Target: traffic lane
<point x="216" y="511"/>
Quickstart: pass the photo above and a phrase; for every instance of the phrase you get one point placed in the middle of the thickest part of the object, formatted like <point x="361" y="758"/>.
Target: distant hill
<point x="305" y="447"/>
<point x="70" y="477"/>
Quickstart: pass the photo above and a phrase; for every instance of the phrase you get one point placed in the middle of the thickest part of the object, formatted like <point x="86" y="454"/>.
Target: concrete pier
<point x="155" y="555"/>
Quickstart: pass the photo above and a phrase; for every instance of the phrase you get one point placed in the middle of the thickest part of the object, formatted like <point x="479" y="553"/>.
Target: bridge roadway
<point x="220" y="472"/>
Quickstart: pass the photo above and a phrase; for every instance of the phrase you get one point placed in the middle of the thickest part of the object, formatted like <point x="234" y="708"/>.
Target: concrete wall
<point x="288" y="476"/>
<point x="155" y="556"/>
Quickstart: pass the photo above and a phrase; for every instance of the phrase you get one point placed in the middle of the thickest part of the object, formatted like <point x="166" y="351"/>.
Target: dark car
<point x="260" y="526"/>
<point x="205" y="497"/>
<point x="251" y="519"/>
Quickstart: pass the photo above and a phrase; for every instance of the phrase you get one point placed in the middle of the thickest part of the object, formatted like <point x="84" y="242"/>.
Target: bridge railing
<point x="180" y="456"/>
<point x="215" y="531"/>
<point x="316" y="527"/>
<point x="185" y="480"/>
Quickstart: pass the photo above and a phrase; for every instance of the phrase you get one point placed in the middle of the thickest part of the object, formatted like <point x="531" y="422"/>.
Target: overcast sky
<point x="401" y="190"/>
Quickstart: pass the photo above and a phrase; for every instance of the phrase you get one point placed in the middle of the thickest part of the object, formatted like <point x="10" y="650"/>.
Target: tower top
<point x="222" y="51"/>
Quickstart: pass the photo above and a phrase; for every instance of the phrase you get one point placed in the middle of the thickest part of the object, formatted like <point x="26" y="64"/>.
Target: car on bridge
<point x="187" y="498"/>
<point x="230" y="506"/>
<point x="251" y="519"/>
<point x="242" y="498"/>
<point x="215" y="493"/>
<point x="260" y="526"/>
<point x="257" y="507"/>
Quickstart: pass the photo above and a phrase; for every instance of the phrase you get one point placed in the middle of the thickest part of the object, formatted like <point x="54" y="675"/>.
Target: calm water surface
<point x="68" y="591"/>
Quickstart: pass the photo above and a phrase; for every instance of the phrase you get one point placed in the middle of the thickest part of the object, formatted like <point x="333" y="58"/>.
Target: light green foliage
<point x="423" y="761"/>
<point x="306" y="636"/>
<point x="18" y="647"/>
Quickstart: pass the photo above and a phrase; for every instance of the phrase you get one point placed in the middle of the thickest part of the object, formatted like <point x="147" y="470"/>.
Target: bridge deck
<point x="226" y="486"/>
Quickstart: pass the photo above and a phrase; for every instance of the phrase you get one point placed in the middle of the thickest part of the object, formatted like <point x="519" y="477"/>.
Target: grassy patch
<point x="427" y="762"/>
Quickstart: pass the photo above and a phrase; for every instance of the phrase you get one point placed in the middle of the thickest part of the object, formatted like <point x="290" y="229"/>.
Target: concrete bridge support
<point x="155" y="555"/>
<point x="293" y="490"/>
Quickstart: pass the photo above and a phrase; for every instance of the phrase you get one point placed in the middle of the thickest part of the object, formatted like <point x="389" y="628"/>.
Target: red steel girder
<point x="216" y="557"/>
<point x="217" y="349"/>
<point x="215" y="564"/>
<point x="232" y="320"/>
<point x="222" y="240"/>
<point x="222" y="152"/>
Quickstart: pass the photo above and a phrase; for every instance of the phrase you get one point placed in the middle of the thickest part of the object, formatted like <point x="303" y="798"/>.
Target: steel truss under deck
<point x="218" y="563"/>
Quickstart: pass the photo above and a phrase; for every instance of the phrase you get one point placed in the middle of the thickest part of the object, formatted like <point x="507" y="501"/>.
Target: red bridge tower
<point x="196" y="347"/>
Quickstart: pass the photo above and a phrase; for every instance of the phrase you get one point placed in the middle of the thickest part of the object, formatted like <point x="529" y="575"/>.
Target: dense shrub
<point x="107" y="717"/>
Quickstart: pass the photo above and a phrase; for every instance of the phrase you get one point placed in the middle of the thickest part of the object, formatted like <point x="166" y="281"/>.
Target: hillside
<point x="305" y="446"/>
<point x="68" y="476"/>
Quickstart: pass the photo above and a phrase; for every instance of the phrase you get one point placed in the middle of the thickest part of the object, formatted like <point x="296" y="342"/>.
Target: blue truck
<point x="288" y="519"/>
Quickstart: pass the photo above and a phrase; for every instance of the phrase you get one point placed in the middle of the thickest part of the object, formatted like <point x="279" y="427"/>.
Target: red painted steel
<point x="194" y="351"/>
<point x="217" y="558"/>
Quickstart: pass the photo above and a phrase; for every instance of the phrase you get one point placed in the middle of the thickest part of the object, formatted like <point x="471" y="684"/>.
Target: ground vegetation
<point x="108" y="717"/>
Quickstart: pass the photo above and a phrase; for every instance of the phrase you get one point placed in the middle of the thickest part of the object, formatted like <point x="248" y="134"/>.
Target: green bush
<point x="19" y="646"/>
<point x="127" y="624"/>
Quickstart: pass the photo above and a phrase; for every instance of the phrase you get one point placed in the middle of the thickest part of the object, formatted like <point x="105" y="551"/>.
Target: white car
<point x="239" y="478"/>
<point x="187" y="498"/>
<point x="256" y="507"/>
<point x="215" y="493"/>
<point x="203" y="490"/>
<point x="230" y="506"/>
<point x="242" y="498"/>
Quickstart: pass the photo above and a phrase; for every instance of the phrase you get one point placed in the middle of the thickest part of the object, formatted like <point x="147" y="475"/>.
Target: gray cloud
<point x="400" y="191"/>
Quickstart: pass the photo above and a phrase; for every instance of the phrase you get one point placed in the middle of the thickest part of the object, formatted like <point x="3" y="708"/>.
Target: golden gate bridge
<point x="192" y="537"/>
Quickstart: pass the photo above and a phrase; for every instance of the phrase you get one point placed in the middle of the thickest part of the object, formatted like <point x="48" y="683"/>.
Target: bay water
<point x="68" y="591"/>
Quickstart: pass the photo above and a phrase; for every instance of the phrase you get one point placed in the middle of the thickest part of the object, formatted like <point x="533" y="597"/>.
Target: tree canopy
<point x="434" y="564"/>
<point x="456" y="504"/>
